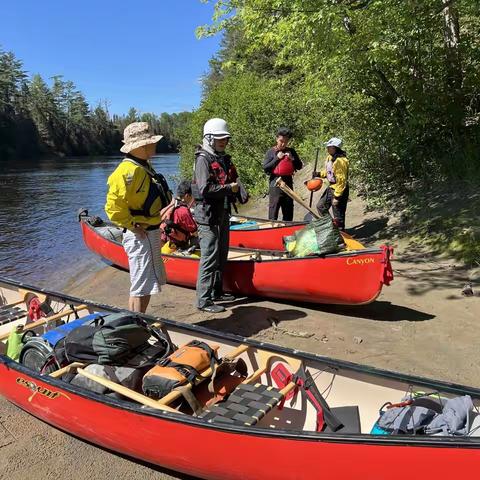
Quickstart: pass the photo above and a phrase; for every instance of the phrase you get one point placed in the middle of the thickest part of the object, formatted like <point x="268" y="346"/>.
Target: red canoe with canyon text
<point x="349" y="278"/>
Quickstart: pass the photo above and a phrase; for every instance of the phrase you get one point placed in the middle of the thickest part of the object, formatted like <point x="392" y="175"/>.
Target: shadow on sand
<point x="248" y="320"/>
<point x="425" y="273"/>
<point x="369" y="228"/>
<point x="381" y="311"/>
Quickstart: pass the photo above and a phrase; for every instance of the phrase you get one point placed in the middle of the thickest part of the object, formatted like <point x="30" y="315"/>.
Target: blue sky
<point x="140" y="53"/>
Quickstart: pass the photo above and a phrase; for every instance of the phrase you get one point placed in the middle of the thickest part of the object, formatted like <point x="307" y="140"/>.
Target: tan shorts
<point x="147" y="273"/>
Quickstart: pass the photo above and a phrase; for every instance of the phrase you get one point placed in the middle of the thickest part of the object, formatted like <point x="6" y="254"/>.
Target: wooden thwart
<point x="57" y="316"/>
<point x="234" y="255"/>
<point x="10" y="305"/>
<point x="66" y="369"/>
<point x="161" y="404"/>
<point x="126" y="392"/>
<point x="264" y="359"/>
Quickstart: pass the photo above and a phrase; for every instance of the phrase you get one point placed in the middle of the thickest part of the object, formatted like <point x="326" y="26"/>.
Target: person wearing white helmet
<point x="214" y="188"/>
<point x="336" y="171"/>
<point x="281" y="161"/>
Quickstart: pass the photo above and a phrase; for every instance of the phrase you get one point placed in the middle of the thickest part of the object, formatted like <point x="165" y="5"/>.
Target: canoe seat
<point x="246" y="405"/>
<point x="10" y="314"/>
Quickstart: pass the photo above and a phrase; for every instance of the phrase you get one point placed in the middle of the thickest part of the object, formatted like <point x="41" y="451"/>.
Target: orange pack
<point x="182" y="366"/>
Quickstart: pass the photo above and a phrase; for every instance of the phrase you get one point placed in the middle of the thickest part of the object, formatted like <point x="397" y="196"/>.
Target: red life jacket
<point x="171" y="231"/>
<point x="218" y="175"/>
<point x="284" y="167"/>
<point x="221" y="176"/>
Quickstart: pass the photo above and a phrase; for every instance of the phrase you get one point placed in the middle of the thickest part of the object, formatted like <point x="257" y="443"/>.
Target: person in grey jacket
<point x="214" y="187"/>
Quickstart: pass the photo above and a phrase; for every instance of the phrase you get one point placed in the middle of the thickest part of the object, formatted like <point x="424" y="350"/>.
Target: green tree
<point x="38" y="118"/>
<point x="254" y="108"/>
<point x="45" y="115"/>
<point x="13" y="116"/>
<point x="399" y="81"/>
<point x="12" y="80"/>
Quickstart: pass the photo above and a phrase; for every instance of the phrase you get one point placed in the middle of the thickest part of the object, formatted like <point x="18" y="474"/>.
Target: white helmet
<point x="334" y="142"/>
<point x="216" y="128"/>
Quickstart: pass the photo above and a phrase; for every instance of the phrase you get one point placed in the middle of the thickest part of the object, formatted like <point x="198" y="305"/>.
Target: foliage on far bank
<point x="398" y="81"/>
<point x="40" y="118"/>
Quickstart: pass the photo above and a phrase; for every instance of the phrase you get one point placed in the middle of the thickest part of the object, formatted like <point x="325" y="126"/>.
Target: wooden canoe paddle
<point x="284" y="187"/>
<point x="313" y="175"/>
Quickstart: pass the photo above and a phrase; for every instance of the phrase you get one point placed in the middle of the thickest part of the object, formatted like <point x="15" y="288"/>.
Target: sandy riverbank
<point x="421" y="324"/>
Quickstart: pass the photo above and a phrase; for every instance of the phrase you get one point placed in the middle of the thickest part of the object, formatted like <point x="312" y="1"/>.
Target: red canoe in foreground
<point x="287" y="443"/>
<point x="350" y="278"/>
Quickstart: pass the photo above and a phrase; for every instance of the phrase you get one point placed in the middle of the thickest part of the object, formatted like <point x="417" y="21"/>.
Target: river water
<point x="40" y="238"/>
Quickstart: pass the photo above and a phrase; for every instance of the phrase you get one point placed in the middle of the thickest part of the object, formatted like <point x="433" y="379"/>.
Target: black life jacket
<point x="158" y="188"/>
<point x="219" y="174"/>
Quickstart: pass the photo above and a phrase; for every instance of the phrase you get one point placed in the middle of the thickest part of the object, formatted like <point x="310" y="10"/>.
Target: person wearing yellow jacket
<point x="136" y="194"/>
<point x="336" y="172"/>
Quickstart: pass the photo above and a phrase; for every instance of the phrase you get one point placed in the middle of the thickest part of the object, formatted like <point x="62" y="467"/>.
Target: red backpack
<point x="169" y="230"/>
<point x="285" y="166"/>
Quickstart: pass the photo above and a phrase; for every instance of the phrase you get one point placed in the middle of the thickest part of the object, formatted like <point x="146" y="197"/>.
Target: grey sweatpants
<point x="214" y="253"/>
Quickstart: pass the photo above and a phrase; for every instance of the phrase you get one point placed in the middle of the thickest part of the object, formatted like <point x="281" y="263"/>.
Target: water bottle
<point x="14" y="343"/>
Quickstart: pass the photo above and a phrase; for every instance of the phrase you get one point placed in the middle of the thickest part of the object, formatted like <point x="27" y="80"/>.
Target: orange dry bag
<point x="182" y="366"/>
<point x="314" y="184"/>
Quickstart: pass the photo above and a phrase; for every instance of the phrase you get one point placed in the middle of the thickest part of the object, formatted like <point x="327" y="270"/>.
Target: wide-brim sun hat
<point x="334" y="142"/>
<point x="138" y="134"/>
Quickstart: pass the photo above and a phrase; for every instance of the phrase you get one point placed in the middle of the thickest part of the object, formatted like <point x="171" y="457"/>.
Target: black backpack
<point x="114" y="340"/>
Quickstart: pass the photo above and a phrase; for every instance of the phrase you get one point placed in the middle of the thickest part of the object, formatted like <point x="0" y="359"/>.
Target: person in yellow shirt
<point x="136" y="194"/>
<point x="336" y="172"/>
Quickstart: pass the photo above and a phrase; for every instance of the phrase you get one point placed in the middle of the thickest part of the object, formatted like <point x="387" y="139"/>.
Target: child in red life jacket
<point x="178" y="226"/>
<point x="281" y="161"/>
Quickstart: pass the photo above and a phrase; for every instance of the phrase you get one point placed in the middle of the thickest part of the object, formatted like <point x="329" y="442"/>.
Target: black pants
<point x="278" y="199"/>
<point x="214" y="240"/>
<point x="339" y="210"/>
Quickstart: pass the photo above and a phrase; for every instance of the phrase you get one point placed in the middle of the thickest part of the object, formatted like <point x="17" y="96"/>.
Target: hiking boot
<point x="224" y="297"/>
<point x="212" y="308"/>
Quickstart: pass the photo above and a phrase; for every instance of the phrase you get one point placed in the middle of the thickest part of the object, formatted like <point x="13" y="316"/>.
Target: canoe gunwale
<point x="286" y="223"/>
<point x="445" y="387"/>
<point x="319" y="437"/>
